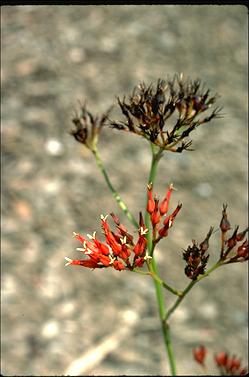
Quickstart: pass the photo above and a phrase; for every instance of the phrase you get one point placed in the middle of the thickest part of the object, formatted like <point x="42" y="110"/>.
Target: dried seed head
<point x="149" y="108"/>
<point x="87" y="126"/>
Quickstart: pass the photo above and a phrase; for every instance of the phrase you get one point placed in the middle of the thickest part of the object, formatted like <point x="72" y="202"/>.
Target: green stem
<point x="188" y="288"/>
<point x="116" y="195"/>
<point x="164" y="324"/>
<point x="156" y="155"/>
<point x="162" y="282"/>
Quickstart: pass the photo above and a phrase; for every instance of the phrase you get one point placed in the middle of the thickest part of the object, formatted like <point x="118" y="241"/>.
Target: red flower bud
<point x="164" y="206"/>
<point x="221" y="359"/>
<point x="200" y="354"/>
<point x="118" y="265"/>
<point x="150" y="202"/>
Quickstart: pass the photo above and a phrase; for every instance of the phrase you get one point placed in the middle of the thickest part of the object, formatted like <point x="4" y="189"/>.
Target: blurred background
<point x="52" y="316"/>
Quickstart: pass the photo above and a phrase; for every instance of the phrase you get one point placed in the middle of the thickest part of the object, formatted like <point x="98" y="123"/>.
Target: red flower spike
<point x="200" y="354"/>
<point x="164" y="206"/>
<point x="150" y="202"/>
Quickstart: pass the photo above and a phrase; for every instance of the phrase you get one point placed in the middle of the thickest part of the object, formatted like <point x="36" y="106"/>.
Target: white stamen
<point x="103" y="217"/>
<point x="112" y="260"/>
<point x="92" y="237"/>
<point x="147" y="257"/>
<point x="89" y="251"/>
<point x="143" y="231"/>
<point x="171" y="187"/>
<point x="123" y="240"/>
<point x="80" y="249"/>
<point x="69" y="261"/>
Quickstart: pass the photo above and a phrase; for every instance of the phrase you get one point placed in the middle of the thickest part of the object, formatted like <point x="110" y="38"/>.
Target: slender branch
<point x="164" y="324"/>
<point x="188" y="288"/>
<point x="116" y="195"/>
<point x="162" y="282"/>
<point x="156" y="155"/>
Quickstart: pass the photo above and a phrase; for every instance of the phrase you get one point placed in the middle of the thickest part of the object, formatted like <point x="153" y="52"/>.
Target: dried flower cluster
<point x="232" y="248"/>
<point x="148" y="111"/>
<point x="87" y="127"/>
<point x="196" y="257"/>
<point x="158" y="210"/>
<point x="119" y="251"/>
<point x="227" y="365"/>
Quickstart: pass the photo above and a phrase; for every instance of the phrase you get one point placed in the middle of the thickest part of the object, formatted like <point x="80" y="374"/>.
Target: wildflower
<point x="229" y="365"/>
<point x="87" y="127"/>
<point x="149" y="108"/>
<point x="200" y="354"/>
<point x="119" y="250"/>
<point x="196" y="257"/>
<point x="157" y="210"/>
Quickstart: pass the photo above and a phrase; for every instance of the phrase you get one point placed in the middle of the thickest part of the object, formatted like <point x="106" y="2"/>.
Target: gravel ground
<point x="52" y="56"/>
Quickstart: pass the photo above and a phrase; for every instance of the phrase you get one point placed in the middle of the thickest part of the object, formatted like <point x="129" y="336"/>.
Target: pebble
<point x="204" y="190"/>
<point x="50" y="329"/>
<point x="54" y="147"/>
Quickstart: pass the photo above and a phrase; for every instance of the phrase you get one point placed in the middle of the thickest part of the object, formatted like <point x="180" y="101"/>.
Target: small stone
<point x="50" y="329"/>
<point x="54" y="147"/>
<point x="204" y="190"/>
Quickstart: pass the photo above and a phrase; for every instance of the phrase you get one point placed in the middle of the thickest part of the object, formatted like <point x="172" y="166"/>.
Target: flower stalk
<point x="116" y="195"/>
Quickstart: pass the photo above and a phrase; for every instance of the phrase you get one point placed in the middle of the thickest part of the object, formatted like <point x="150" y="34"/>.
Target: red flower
<point x="151" y="202"/>
<point x="116" y="251"/>
<point x="200" y="354"/>
<point x="157" y="210"/>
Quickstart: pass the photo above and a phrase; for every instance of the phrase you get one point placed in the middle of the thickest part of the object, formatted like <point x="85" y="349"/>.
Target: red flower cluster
<point x="228" y="365"/>
<point x="119" y="251"/>
<point x="157" y="210"/>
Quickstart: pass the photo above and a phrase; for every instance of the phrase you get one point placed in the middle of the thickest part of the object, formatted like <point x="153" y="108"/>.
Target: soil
<point x="52" y="316"/>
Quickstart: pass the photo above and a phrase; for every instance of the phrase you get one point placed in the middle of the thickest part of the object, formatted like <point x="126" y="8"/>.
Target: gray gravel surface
<point x="51" y="57"/>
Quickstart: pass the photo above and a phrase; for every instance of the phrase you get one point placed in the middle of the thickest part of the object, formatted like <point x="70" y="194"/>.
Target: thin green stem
<point x="165" y="326"/>
<point x="162" y="282"/>
<point x="156" y="155"/>
<point x="188" y="288"/>
<point x="116" y="195"/>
